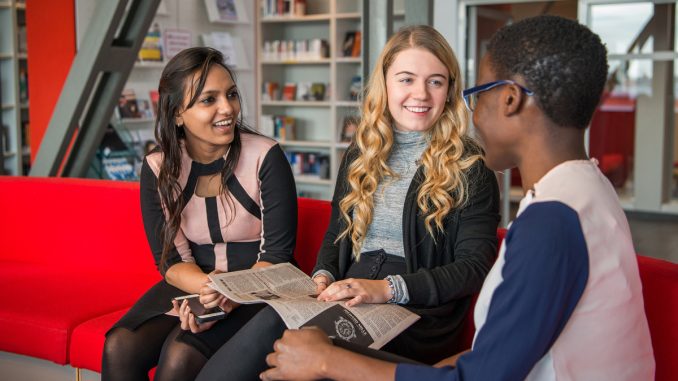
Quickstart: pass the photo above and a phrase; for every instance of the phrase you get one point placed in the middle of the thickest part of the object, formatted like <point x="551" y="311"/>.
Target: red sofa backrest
<point x="102" y="221"/>
<point x="313" y="219"/>
<point x="469" y="328"/>
<point x="660" y="292"/>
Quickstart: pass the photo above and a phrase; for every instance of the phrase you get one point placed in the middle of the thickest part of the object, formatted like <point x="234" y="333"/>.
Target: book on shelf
<point x="177" y="40"/>
<point x="289" y="92"/>
<point x="304" y="91"/>
<point x="154" y="97"/>
<point x="347" y="46"/>
<point x="356" y="88"/>
<point x="283" y="8"/>
<point x="22" y="44"/>
<point x="271" y="91"/>
<point x="4" y="138"/>
<point x="318" y="91"/>
<point x="357" y="42"/>
<point x="23" y="83"/>
<point x="127" y="104"/>
<point x="292" y="50"/>
<point x="224" y="10"/>
<point x="280" y="127"/>
<point x="151" y="48"/>
<point x="145" y="108"/>
<point x="348" y="128"/>
<point x="310" y="164"/>
<point x="285" y="128"/>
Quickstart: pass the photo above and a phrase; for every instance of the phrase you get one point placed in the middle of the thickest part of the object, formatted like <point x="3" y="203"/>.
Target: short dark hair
<point x="562" y="61"/>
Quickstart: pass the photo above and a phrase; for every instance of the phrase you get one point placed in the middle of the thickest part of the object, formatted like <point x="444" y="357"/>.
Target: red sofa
<point x="75" y="255"/>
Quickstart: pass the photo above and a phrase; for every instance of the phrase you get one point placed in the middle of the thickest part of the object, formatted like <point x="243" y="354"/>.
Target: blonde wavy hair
<point x="445" y="160"/>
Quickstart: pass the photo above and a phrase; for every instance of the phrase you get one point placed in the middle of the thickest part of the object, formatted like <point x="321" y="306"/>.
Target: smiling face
<point x="417" y="86"/>
<point x="210" y="123"/>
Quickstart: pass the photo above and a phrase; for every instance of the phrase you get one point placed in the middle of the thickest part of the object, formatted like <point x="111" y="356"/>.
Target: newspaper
<point x="293" y="295"/>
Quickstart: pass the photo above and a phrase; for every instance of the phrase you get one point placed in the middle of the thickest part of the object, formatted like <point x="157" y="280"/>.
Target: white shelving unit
<point x="13" y="89"/>
<point x="318" y="123"/>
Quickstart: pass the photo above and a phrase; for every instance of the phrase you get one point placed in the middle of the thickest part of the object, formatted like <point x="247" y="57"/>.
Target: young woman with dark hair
<point x="215" y="196"/>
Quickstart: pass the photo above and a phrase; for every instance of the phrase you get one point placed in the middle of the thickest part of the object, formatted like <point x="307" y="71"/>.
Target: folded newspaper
<point x="293" y="295"/>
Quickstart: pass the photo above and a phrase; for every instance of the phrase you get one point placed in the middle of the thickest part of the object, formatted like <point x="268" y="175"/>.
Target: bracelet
<point x="321" y="282"/>
<point x="389" y="279"/>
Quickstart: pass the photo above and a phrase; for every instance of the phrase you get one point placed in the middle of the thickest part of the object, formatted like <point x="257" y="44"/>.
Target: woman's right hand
<point x="321" y="282"/>
<point x="211" y="298"/>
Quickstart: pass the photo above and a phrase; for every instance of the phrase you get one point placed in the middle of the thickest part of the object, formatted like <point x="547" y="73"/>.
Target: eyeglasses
<point x="471" y="95"/>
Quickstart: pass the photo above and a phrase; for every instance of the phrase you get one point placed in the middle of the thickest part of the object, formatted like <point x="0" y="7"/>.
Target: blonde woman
<point x="414" y="213"/>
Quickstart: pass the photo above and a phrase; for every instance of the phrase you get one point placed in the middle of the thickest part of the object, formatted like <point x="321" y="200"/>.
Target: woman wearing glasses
<point x="414" y="213"/>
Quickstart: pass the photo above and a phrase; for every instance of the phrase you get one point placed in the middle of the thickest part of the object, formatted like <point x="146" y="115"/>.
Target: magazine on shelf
<point x="230" y="46"/>
<point x="292" y="294"/>
<point x="224" y="10"/>
<point x="151" y="48"/>
<point x="177" y="40"/>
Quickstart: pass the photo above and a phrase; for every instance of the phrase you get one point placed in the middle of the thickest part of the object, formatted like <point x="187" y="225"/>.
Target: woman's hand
<point x="187" y="318"/>
<point x="211" y="298"/>
<point x="299" y="355"/>
<point x="321" y="282"/>
<point x="358" y="291"/>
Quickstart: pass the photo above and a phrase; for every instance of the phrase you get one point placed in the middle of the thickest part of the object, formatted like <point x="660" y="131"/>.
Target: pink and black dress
<point x="255" y="220"/>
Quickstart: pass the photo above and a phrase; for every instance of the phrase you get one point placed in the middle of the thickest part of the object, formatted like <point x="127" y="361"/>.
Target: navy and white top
<point x="563" y="300"/>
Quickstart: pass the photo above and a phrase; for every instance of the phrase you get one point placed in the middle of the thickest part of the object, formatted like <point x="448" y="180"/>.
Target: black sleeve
<point x="278" y="208"/>
<point x="154" y="218"/>
<point x="328" y="256"/>
<point x="474" y="248"/>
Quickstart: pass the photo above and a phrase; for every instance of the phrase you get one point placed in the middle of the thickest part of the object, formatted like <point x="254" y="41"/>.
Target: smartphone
<point x="202" y="314"/>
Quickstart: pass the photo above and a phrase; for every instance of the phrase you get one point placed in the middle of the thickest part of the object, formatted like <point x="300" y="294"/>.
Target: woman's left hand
<point x="358" y="291"/>
<point x="188" y="322"/>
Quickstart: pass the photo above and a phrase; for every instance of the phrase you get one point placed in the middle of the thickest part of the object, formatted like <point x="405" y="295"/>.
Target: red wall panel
<point x="50" y="35"/>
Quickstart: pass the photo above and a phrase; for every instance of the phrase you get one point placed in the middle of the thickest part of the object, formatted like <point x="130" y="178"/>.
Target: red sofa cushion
<point x="87" y="340"/>
<point x="72" y="250"/>
<point x="660" y="293"/>
<point x="49" y="303"/>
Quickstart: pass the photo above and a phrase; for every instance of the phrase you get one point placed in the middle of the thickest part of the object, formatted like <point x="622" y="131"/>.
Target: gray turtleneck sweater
<point x="386" y="230"/>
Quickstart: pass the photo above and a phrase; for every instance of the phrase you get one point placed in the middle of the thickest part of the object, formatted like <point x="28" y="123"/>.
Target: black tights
<point x="130" y="355"/>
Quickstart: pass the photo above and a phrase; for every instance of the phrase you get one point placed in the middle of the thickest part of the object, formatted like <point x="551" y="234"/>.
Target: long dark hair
<point x="179" y="73"/>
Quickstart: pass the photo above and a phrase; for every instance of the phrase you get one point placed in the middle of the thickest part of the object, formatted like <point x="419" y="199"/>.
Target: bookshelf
<point x="317" y="122"/>
<point x="14" y="104"/>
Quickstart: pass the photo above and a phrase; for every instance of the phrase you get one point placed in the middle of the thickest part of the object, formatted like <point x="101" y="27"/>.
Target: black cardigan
<point x="442" y="274"/>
